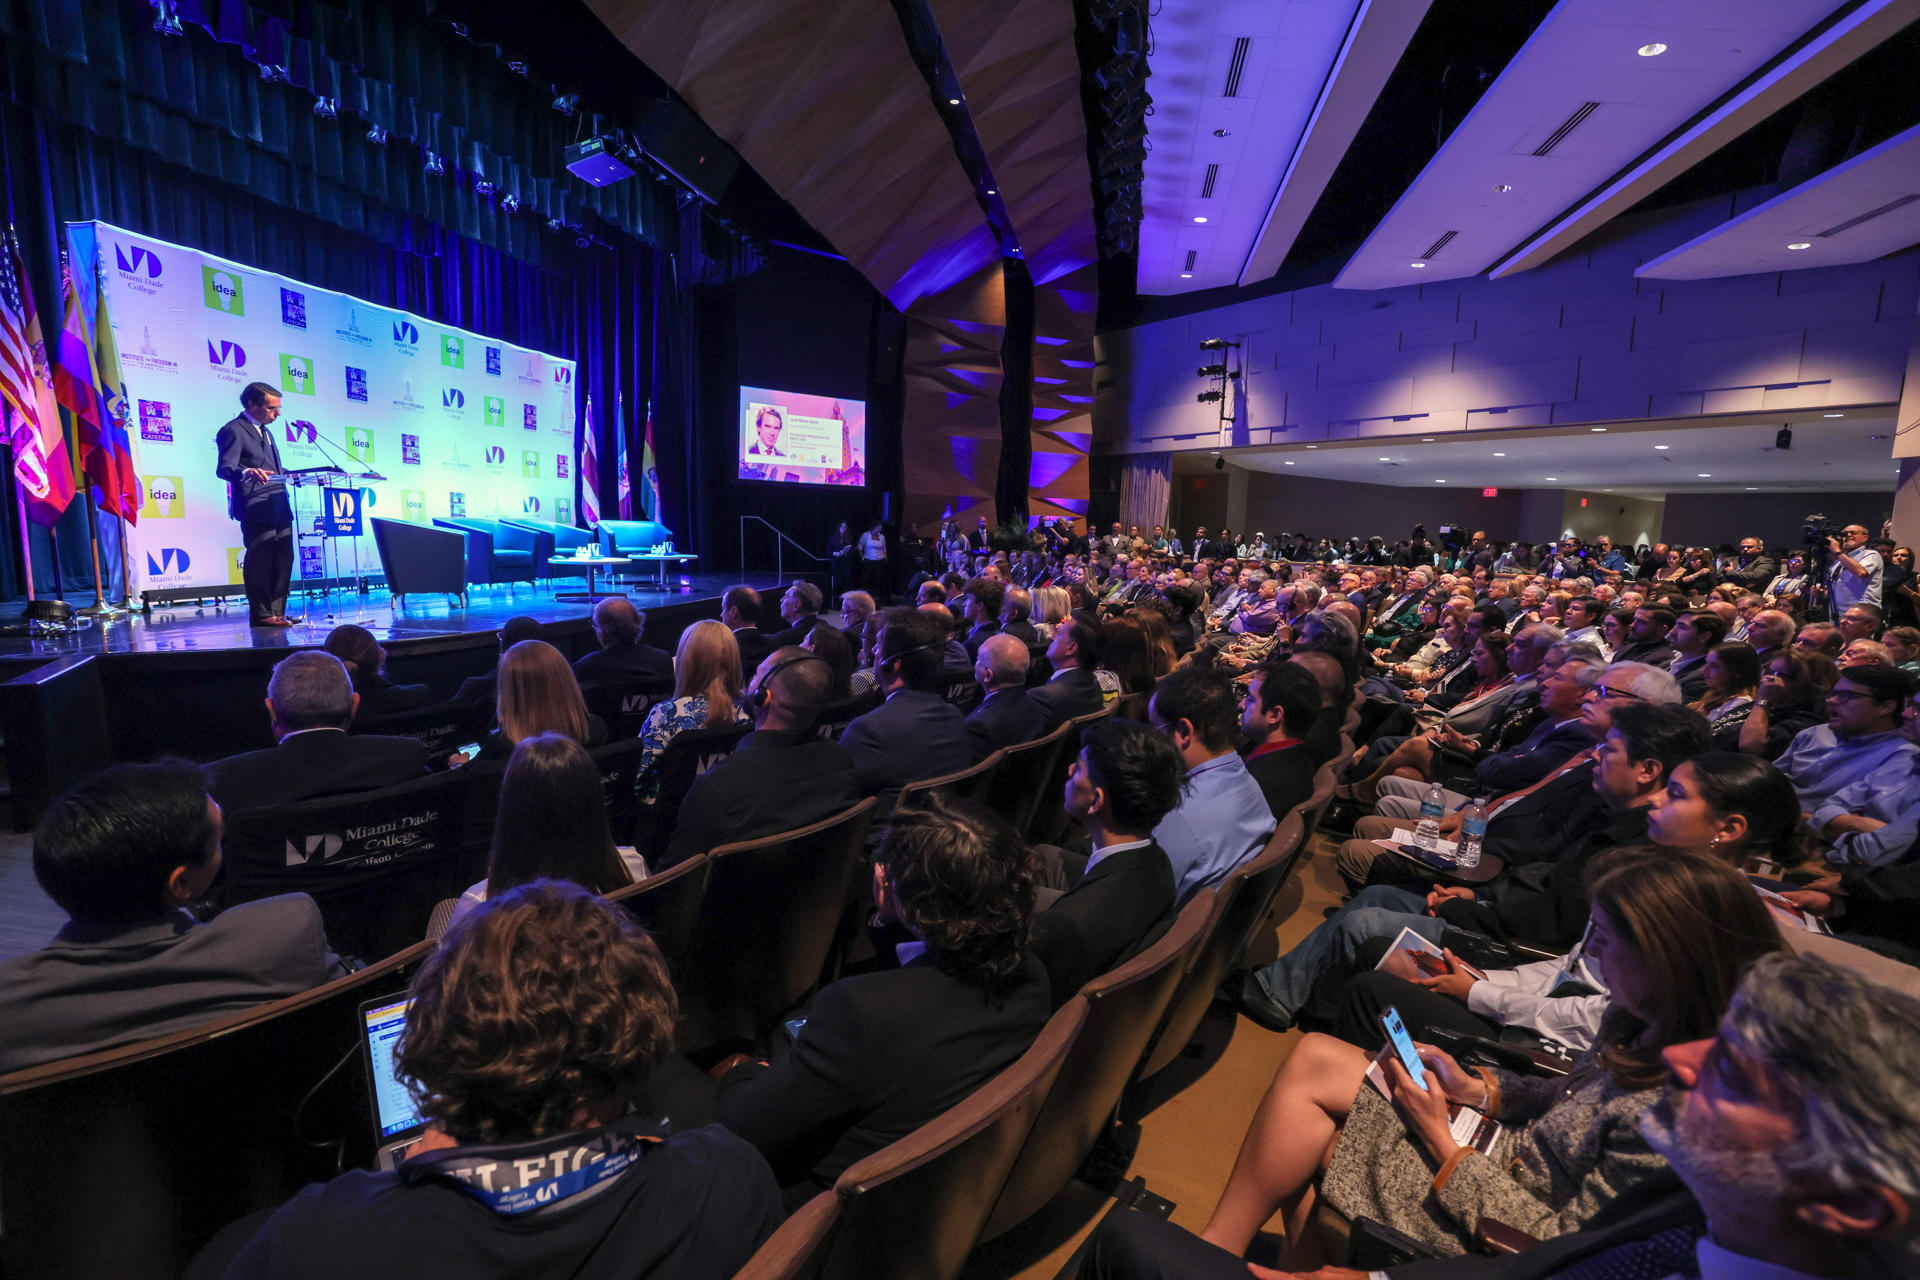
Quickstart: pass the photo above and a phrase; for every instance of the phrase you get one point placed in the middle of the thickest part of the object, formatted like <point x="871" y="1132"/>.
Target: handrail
<point x="779" y="550"/>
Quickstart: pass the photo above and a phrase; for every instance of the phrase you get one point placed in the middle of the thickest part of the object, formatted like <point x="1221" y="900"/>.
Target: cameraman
<point x="1853" y="571"/>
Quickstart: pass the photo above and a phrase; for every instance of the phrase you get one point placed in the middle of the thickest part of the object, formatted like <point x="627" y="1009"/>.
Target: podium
<point x="339" y="513"/>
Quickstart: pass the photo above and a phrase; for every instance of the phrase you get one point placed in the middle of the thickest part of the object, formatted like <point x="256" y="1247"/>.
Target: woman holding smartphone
<point x="1671" y="934"/>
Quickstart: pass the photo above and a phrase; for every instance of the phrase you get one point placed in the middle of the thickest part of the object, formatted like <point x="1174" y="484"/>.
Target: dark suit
<point x="1546" y="902"/>
<point x="1138" y="1246"/>
<point x="881" y="1054"/>
<point x="1753" y="574"/>
<point x="266" y="519"/>
<point x="625" y="662"/>
<point x="94" y="988"/>
<point x="910" y="736"/>
<point x="775" y="780"/>
<point x="1123" y="902"/>
<point x="1692" y="675"/>
<point x="481" y="688"/>
<point x="308" y="766"/>
<point x="1654" y="653"/>
<point x="978" y="636"/>
<point x="1548" y="747"/>
<point x="755" y="645"/>
<point x="1022" y="630"/>
<point x="1285" y="776"/>
<point x="794" y="634"/>
<point x="1071" y="693"/>
<point x="380" y="696"/>
<point x="1006" y="718"/>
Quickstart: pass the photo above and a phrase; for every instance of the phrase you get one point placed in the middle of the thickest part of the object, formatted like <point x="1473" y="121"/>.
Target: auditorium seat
<point x="920" y="1203"/>
<point x="418" y="559"/>
<point x="1050" y="816"/>
<point x="496" y="552"/>
<point x="667" y="905"/>
<point x="376" y="862"/>
<point x="624" y="704"/>
<point x="1133" y="706"/>
<point x="1019" y="789"/>
<point x="1123" y="1009"/>
<point x="126" y="1162"/>
<point x="619" y="765"/>
<point x="964" y="694"/>
<point x="441" y="728"/>
<point x="836" y="716"/>
<point x="971" y="783"/>
<point x="795" y="1249"/>
<point x="686" y="757"/>
<point x="767" y="926"/>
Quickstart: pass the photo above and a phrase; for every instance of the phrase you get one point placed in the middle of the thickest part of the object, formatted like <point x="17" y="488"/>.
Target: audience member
<point x="366" y="664"/>
<point x="538" y="694"/>
<point x="124" y="853"/>
<point x="1860" y="743"/>
<point x="800" y="610"/>
<point x="617" y="625"/>
<point x="1072" y="691"/>
<point x="1693" y="634"/>
<point x="706" y="695"/>
<point x="529" y="1031"/>
<point x="914" y="734"/>
<point x="1006" y="716"/>
<point x="484" y="687"/>
<point x="781" y="777"/>
<point x="1123" y="784"/>
<point x="836" y="648"/>
<point x="882" y="1053"/>
<point x="551" y="824"/>
<point x="1277" y="708"/>
<point x="740" y="611"/>
<point x="1223" y="819"/>
<point x="310" y="703"/>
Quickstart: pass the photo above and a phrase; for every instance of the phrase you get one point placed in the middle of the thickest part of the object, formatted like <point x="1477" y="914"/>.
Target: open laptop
<point x="397" y="1122"/>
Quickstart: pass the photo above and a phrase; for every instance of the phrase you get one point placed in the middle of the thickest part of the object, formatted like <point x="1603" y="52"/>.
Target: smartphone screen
<point x="792" y="1028"/>
<point x="1403" y="1045"/>
<point x="471" y="751"/>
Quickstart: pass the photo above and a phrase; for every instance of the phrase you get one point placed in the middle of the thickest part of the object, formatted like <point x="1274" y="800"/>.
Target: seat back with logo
<point x="1019" y="789"/>
<point x="687" y="756"/>
<point x="440" y="729"/>
<point x="624" y="704"/>
<point x="619" y="765"/>
<point x="376" y="862"/>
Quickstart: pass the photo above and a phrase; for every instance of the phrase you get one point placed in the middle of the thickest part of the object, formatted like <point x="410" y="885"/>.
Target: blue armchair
<point x="562" y="539"/>
<point x="497" y="552"/>
<point x="632" y="537"/>
<point x="416" y="558"/>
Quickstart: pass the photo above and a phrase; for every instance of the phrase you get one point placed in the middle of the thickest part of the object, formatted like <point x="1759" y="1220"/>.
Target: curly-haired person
<point x="530" y="1029"/>
<point x="882" y="1053"/>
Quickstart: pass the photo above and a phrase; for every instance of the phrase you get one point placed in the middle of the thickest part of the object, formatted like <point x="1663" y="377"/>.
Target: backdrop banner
<point x="461" y="425"/>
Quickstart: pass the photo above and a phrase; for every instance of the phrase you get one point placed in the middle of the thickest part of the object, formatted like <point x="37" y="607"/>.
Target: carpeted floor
<point x="1202" y="1106"/>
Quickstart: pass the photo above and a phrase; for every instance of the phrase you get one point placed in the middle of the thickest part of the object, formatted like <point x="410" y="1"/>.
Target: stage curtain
<point x="1146" y="486"/>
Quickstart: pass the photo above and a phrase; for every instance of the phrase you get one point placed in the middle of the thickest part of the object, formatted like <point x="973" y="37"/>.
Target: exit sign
<point x="1489" y="493"/>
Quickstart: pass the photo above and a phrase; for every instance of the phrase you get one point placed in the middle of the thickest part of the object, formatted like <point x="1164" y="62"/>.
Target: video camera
<point x="1816" y="529"/>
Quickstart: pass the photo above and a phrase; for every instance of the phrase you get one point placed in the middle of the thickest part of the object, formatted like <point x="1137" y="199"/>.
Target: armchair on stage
<point x="561" y="542"/>
<point x="631" y="537"/>
<point x="499" y="552"/>
<point x="417" y="558"/>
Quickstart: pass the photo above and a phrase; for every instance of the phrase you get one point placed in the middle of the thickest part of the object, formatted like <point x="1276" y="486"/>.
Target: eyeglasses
<point x="1606" y="691"/>
<point x="1846" y="695"/>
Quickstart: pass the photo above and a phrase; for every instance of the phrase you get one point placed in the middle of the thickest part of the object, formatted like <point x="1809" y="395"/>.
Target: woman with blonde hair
<point x="1050" y="606"/>
<point x="706" y="695"/>
<point x="537" y="694"/>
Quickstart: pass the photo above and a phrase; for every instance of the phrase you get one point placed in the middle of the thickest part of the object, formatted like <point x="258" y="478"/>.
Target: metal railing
<point x="781" y="543"/>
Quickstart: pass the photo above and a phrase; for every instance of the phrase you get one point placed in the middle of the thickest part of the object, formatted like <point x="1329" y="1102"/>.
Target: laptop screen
<point x="393" y="1105"/>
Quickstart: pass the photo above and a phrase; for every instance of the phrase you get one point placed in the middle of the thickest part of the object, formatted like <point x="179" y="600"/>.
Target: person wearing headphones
<point x="782" y="776"/>
<point x="915" y="733"/>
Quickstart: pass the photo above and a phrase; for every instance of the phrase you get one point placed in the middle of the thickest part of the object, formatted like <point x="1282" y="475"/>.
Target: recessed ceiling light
<point x="1200" y="217"/>
<point x="1600" y="430"/>
<point x="1426" y="439"/>
<point x="992" y="192"/>
<point x="1663" y="446"/>
<point x="1833" y="415"/>
<point x="1313" y="446"/>
<point x="1499" y="455"/>
<point x="1553" y="477"/>
<point x="1704" y="475"/>
<point x="1653" y="50"/>
<point x="1800" y="244"/>
<point x="1439" y="481"/>
<point x="1503" y="187"/>
<point x="953" y="102"/>
<point x="1385" y="458"/>
<point x="1286" y="464"/>
<point x="1606" y="491"/>
<point x="1753" y="488"/>
<point x="1186" y="275"/>
<point x="1418" y="266"/>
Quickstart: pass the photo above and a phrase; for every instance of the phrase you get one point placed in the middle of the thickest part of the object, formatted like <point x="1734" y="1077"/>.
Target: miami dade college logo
<point x="296" y="373"/>
<point x="406" y="338"/>
<point x="302" y="433"/>
<point x="293" y="309"/>
<point x="222" y="292"/>
<point x="496" y="456"/>
<point x="156" y="421"/>
<point x="165" y="498"/>
<point x="530" y="463"/>
<point x="453" y="351"/>
<point x="495" y="409"/>
<point x="321" y="848"/>
<point x="531" y="506"/>
<point x="453" y="402"/>
<point x="172" y="562"/>
<point x="409" y="450"/>
<point x="562" y="375"/>
<point x="228" y="355"/>
<point x="360" y="444"/>
<point x="136" y="261"/>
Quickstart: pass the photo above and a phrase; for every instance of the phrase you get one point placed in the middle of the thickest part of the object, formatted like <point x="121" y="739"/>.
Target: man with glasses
<point x="1858" y="757"/>
<point x="1854" y="571"/>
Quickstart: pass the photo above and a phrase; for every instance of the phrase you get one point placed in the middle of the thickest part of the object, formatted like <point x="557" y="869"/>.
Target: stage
<point x="189" y="680"/>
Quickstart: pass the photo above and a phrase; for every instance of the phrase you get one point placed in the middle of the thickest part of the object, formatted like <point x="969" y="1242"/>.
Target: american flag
<point x="40" y="461"/>
<point x="589" y="471"/>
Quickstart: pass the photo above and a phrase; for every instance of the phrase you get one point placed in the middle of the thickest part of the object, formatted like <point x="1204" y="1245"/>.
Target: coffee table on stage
<point x="593" y="563"/>
<point x="661" y="561"/>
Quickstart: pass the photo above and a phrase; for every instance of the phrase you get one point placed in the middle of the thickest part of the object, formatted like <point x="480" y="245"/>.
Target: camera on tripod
<point x="1816" y="529"/>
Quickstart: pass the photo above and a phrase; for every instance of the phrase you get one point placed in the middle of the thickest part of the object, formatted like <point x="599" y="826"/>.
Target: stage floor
<point x="189" y="627"/>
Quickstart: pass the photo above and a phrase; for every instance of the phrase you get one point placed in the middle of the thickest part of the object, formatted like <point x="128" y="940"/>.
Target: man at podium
<point x="257" y="498"/>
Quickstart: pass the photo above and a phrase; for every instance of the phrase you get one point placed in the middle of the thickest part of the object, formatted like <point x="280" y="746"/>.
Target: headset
<point x="760" y="697"/>
<point x="893" y="659"/>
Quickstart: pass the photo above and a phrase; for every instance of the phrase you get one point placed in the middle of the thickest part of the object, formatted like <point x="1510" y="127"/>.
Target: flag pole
<point x="26" y="533"/>
<point x="129" y="605"/>
<point x="99" y="608"/>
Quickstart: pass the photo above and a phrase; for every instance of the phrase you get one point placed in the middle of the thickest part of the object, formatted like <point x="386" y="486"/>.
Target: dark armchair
<point x="418" y="558"/>
<point x="562" y="541"/>
<point x="498" y="552"/>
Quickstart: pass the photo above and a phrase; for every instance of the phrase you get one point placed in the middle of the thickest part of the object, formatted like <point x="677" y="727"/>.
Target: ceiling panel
<point x="1823" y="215"/>
<point x="1580" y="71"/>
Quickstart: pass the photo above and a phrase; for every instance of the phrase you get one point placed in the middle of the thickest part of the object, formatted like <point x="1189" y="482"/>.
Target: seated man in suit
<point x="800" y="610"/>
<point x="617" y="625"/>
<point x="485" y="687"/>
<point x="1792" y="1131"/>
<point x="981" y="607"/>
<point x="1126" y="780"/>
<point x="914" y="734"/>
<point x="885" y="1052"/>
<point x="1693" y="633"/>
<point x="740" y="610"/>
<point x="123" y="854"/>
<point x="781" y="777"/>
<point x="1223" y="820"/>
<point x="310" y="701"/>
<point x="1072" y="691"/>
<point x="1006" y="717"/>
<point x="1015" y="620"/>
<point x="955" y="662"/>
<point x="1277" y="708"/>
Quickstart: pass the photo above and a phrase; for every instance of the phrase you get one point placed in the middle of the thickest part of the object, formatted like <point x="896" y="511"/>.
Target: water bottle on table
<point x="1473" y="834"/>
<point x="1433" y="806"/>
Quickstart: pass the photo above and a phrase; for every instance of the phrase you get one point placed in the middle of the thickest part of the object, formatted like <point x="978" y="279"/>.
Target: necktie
<point x="1669" y="1253"/>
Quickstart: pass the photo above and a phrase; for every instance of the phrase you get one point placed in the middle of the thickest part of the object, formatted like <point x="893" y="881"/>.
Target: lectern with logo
<point x="338" y="511"/>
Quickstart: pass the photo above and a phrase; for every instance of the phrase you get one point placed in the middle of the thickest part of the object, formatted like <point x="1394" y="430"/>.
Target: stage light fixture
<point x="483" y="187"/>
<point x="326" y="108"/>
<point x="1213" y="371"/>
<point x="509" y="203"/>
<point x="1208" y="397"/>
<point x="272" y="73"/>
<point x="377" y="134"/>
<point x="567" y="104"/>
<point x="166" y="20"/>
<point x="517" y="67"/>
<point x="556" y="224"/>
<point x="1216" y="344"/>
<point x="603" y="160"/>
<point x="1783" y="439"/>
<point x="435" y="166"/>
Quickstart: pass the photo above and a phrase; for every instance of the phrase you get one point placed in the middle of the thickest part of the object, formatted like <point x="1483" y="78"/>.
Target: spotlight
<point x="556" y="224"/>
<point x="272" y="73"/>
<point x="483" y="187"/>
<point x="1213" y="371"/>
<point x="326" y="108"/>
<point x="435" y="166"/>
<point x="509" y="203"/>
<point x="1208" y="397"/>
<point x="1216" y="344"/>
<point x="1783" y="438"/>
<point x="1219" y="464"/>
<point x="165" y="20"/>
<point x="518" y="68"/>
<point x="377" y="134"/>
<point x="567" y="104"/>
